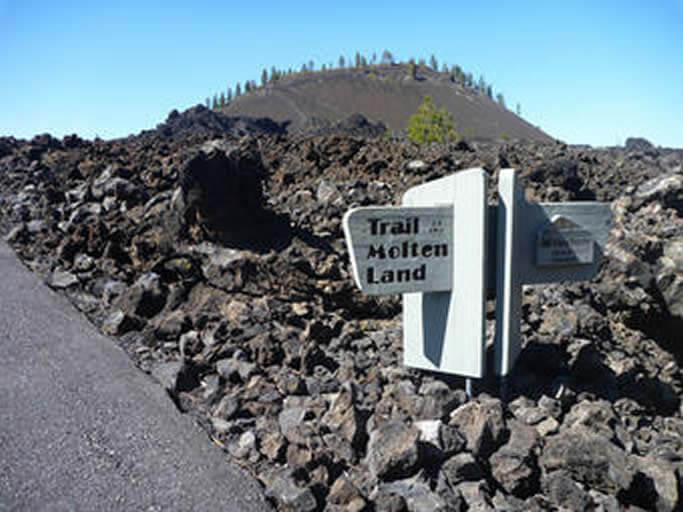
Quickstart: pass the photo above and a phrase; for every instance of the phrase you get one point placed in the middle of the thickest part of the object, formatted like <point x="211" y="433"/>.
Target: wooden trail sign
<point x="540" y="243"/>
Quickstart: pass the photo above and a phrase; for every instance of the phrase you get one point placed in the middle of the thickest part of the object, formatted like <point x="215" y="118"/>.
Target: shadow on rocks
<point x="220" y="198"/>
<point x="548" y="369"/>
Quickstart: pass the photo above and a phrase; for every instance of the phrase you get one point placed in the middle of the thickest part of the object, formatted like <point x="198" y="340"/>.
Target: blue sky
<point x="585" y="72"/>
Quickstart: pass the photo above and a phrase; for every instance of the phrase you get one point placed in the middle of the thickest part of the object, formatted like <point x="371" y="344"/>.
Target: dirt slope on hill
<point x="381" y="93"/>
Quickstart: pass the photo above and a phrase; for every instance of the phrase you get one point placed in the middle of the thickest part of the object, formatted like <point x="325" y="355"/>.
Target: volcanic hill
<point x="383" y="93"/>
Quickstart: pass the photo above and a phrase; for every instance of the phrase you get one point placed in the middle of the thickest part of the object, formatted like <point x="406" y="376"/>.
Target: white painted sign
<point x="438" y="249"/>
<point x="445" y="331"/>
<point x="394" y="250"/>
<point x="519" y="260"/>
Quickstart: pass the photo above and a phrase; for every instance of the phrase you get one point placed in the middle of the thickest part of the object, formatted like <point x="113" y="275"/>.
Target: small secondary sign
<point x="562" y="242"/>
<point x="396" y="250"/>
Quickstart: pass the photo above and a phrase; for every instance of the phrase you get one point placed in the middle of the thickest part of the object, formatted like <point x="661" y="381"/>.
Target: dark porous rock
<point x="388" y="500"/>
<point x="393" y="451"/>
<point x="144" y="298"/>
<point x="221" y="195"/>
<point x="176" y="376"/>
<point x="660" y="483"/>
<point x="438" y="400"/>
<point x="666" y="189"/>
<point x="565" y="492"/>
<point x="597" y="416"/>
<point x="590" y="459"/>
<point x="171" y="325"/>
<point x="288" y="496"/>
<point x="462" y="467"/>
<point x="476" y="495"/>
<point x="61" y="279"/>
<point x="439" y="440"/>
<point x="482" y="423"/>
<point x="344" y="418"/>
<point x="118" y="323"/>
<point x="417" y="496"/>
<point x="514" y="465"/>
<point x="345" y="494"/>
<point x="565" y="176"/>
<point x="669" y="277"/>
<point x="235" y="370"/>
<point x="638" y="144"/>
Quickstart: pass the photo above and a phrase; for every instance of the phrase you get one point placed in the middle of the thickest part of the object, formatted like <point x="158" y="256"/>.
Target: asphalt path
<point x="81" y="428"/>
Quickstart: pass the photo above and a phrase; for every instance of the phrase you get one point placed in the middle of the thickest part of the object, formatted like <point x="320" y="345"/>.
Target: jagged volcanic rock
<point x="219" y="264"/>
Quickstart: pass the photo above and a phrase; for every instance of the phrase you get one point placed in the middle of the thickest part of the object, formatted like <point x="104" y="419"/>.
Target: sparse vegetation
<point x="430" y="124"/>
<point x="359" y="61"/>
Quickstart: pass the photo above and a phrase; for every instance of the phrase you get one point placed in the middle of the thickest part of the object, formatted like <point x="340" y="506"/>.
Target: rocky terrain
<point x="216" y="259"/>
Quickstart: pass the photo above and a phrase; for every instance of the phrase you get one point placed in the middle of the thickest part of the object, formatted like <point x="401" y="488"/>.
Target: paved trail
<point x="82" y="429"/>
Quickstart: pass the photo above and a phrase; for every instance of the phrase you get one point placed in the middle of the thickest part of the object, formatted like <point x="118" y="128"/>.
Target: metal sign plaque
<point x="396" y="250"/>
<point x="562" y="242"/>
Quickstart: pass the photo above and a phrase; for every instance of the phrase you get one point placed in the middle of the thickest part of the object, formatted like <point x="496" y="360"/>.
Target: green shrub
<point x="430" y="124"/>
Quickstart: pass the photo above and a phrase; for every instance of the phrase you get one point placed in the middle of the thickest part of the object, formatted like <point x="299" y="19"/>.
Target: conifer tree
<point x="433" y="63"/>
<point x="358" y="59"/>
<point x="481" y="85"/>
<point x="500" y="99"/>
<point x="412" y="69"/>
<point x="214" y="104"/>
<point x="221" y="101"/>
<point x="264" y="77"/>
<point x="430" y="124"/>
<point x="229" y="96"/>
<point x="238" y="90"/>
<point x="342" y="62"/>
<point x="387" y="57"/>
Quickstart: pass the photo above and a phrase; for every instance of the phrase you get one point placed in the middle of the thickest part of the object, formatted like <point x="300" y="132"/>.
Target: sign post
<point x="540" y="243"/>
<point x="414" y="250"/>
<point x="438" y="251"/>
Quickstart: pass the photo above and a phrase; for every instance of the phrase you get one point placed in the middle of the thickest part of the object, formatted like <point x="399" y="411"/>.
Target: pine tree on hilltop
<point x="412" y="69"/>
<point x="433" y="63"/>
<point x="387" y="57"/>
<point x="500" y="99"/>
<point x="342" y="62"/>
<point x="264" y="77"/>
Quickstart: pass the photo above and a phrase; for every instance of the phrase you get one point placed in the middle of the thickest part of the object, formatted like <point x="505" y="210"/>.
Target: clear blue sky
<point x="590" y="72"/>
